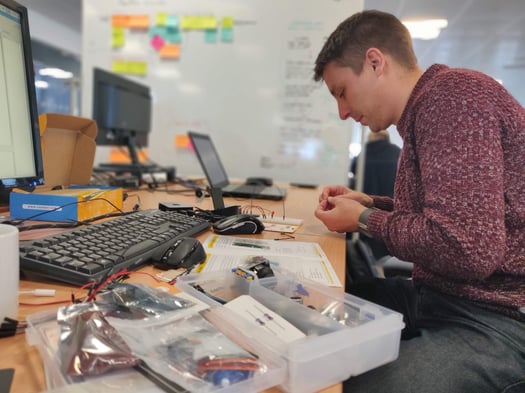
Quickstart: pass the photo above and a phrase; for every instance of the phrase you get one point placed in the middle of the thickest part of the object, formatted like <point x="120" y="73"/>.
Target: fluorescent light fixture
<point x="41" y="84"/>
<point x="427" y="29"/>
<point x="56" y="73"/>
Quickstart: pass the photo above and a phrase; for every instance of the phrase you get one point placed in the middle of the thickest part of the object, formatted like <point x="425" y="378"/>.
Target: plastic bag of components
<point x="191" y="353"/>
<point x="137" y="301"/>
<point x="88" y="344"/>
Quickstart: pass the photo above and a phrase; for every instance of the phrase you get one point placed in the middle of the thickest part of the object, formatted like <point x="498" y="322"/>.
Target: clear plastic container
<point x="344" y="335"/>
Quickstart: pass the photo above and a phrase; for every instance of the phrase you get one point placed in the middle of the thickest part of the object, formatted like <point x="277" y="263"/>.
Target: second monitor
<point x="122" y="110"/>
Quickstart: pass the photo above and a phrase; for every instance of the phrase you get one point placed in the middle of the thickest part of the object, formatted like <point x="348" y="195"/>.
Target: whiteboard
<point x="249" y="87"/>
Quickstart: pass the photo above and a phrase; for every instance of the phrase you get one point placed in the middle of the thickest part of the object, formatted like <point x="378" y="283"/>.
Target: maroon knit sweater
<point x="459" y="204"/>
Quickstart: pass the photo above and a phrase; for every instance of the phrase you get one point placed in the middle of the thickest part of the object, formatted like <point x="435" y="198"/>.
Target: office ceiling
<point x="487" y="35"/>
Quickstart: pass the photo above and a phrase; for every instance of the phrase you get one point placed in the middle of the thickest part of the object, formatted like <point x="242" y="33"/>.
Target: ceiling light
<point x="427" y="29"/>
<point x="41" y="84"/>
<point x="56" y="73"/>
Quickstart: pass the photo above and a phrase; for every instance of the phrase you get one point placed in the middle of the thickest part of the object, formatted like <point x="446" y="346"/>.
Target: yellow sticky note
<point x="119" y="66"/>
<point x="227" y="22"/>
<point x="198" y="22"/>
<point x="137" y="67"/>
<point x="118" y="37"/>
<point x="129" y="67"/>
<point x="188" y="22"/>
<point x="161" y="19"/>
<point x="208" y="22"/>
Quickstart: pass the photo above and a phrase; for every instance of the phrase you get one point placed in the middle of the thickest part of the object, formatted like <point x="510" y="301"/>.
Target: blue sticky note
<point x="226" y="35"/>
<point x="210" y="35"/>
<point x="173" y="35"/>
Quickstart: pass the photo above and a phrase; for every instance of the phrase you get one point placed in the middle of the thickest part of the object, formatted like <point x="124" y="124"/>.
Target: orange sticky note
<point x="118" y="155"/>
<point x="170" y="51"/>
<point x="120" y="20"/>
<point x="139" y="21"/>
<point x="182" y="141"/>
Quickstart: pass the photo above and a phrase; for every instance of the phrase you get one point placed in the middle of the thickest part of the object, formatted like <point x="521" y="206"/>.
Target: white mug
<point x="9" y="272"/>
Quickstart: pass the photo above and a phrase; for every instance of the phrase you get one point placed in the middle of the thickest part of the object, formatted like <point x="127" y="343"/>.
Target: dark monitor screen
<point x="122" y="111"/>
<point x="209" y="160"/>
<point x="20" y="151"/>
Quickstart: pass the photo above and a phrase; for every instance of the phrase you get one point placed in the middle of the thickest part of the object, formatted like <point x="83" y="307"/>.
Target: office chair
<point x="362" y="263"/>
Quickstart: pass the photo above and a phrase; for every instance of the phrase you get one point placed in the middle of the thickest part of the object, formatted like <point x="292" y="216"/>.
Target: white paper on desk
<point x="259" y="315"/>
<point x="304" y="259"/>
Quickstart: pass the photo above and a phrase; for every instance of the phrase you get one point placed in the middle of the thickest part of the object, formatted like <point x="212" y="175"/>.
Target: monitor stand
<point x="135" y="167"/>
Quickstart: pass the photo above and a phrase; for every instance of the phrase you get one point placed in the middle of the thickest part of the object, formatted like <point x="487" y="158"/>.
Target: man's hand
<point x="340" y="191"/>
<point x="340" y="213"/>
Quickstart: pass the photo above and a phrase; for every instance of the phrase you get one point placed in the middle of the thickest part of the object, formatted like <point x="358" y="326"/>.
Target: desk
<point x="300" y="203"/>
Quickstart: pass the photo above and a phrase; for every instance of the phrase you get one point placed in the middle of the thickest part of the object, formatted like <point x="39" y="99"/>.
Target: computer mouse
<point x="238" y="224"/>
<point x="185" y="252"/>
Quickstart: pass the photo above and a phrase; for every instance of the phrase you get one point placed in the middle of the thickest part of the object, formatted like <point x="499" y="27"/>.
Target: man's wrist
<point x="363" y="221"/>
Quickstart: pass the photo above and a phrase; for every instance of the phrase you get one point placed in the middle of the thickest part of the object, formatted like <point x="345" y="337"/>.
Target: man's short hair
<point x="348" y="43"/>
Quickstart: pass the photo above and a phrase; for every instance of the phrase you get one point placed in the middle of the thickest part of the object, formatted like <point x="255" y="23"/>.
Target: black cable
<point x="74" y="224"/>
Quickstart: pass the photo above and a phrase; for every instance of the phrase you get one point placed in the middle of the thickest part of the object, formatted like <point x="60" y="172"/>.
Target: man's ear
<point x="375" y="59"/>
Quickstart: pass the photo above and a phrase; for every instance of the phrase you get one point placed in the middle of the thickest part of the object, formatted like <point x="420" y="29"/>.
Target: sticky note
<point x="182" y="141"/>
<point x="227" y="22"/>
<point x="172" y="21"/>
<point x="120" y="20"/>
<point x="170" y="51"/>
<point x="226" y="35"/>
<point x="157" y="42"/>
<point x="118" y="37"/>
<point x="138" y="21"/>
<point x="210" y="36"/>
<point x="173" y="35"/>
<point x="161" y="19"/>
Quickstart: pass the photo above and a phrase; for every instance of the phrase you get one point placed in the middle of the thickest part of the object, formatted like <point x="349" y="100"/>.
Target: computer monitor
<point x="122" y="111"/>
<point x="21" y="163"/>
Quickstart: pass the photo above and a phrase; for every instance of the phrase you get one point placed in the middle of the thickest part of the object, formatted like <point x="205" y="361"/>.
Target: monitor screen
<point x="122" y="111"/>
<point x="20" y="151"/>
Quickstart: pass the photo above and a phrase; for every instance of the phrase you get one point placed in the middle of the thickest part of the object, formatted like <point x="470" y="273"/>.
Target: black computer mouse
<point x="185" y="252"/>
<point x="238" y="224"/>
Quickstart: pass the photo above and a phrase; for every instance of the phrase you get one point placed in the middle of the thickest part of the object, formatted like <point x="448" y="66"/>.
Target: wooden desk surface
<point x="300" y="203"/>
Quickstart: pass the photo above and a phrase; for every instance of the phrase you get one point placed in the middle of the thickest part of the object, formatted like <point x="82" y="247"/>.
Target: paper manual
<point x="258" y="314"/>
<point x="304" y="259"/>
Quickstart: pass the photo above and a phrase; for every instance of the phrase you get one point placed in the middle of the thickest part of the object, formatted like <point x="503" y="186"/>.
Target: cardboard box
<point x="71" y="204"/>
<point x="68" y="149"/>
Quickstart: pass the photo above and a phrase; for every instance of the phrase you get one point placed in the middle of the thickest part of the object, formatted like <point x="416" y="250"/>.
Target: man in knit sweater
<point x="458" y="211"/>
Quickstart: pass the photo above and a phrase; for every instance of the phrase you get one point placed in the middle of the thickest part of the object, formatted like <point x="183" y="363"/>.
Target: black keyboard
<point x="92" y="252"/>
